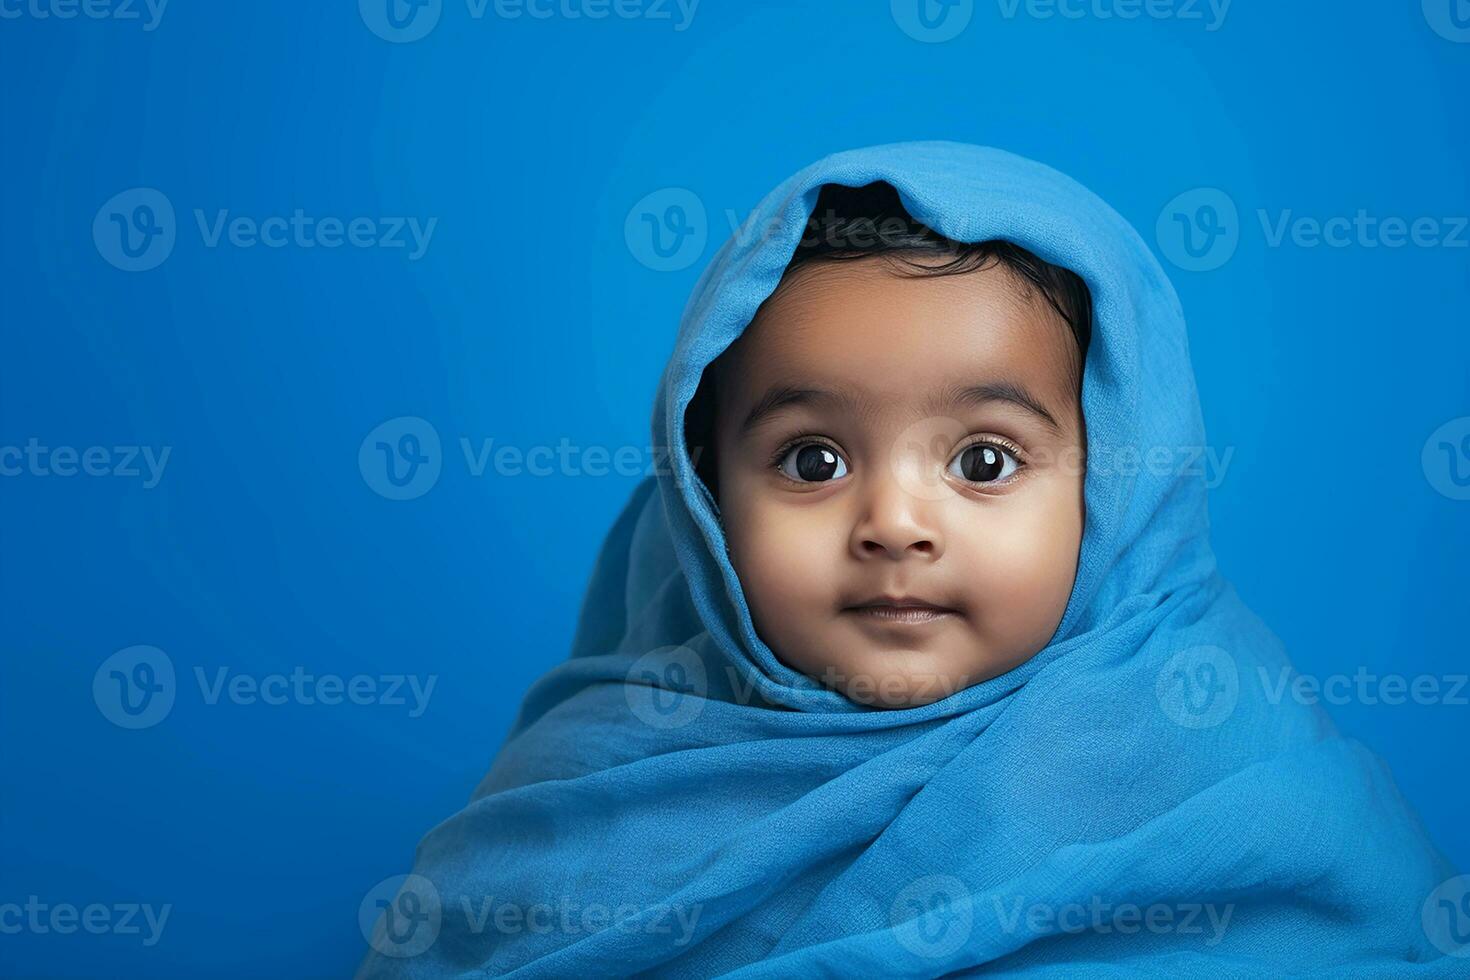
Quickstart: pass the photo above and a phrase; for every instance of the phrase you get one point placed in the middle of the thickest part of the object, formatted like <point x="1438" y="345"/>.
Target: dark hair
<point x="871" y="222"/>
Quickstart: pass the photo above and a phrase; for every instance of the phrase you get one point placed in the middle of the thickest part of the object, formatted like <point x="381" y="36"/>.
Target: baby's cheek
<point x="786" y="560"/>
<point x="1020" y="568"/>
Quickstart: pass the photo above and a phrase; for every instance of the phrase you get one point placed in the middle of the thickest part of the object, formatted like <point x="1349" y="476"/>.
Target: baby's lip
<point x="887" y="601"/>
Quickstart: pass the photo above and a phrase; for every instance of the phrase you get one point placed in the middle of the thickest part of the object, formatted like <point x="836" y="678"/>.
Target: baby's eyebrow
<point x="781" y="396"/>
<point x="994" y="391"/>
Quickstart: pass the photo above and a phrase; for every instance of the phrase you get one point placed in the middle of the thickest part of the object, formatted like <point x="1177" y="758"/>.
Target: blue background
<point x="531" y="319"/>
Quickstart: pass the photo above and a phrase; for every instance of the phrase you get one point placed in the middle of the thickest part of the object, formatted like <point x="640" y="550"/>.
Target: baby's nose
<point x="895" y="524"/>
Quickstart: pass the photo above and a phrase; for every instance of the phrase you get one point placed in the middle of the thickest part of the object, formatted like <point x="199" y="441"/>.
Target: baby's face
<point x="900" y="476"/>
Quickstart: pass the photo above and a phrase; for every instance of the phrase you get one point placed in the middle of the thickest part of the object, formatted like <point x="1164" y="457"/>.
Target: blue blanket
<point x="1137" y="800"/>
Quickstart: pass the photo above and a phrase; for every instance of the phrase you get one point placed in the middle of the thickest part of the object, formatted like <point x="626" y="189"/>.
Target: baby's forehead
<point x="859" y="325"/>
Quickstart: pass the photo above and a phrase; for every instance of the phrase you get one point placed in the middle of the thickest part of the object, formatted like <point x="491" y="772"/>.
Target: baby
<point x="887" y="417"/>
<point x="896" y="446"/>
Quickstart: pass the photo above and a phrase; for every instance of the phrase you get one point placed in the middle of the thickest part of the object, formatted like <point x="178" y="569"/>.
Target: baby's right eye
<point x="812" y="462"/>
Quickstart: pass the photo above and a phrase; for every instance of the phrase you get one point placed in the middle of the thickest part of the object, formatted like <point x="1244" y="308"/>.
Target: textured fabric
<point x="1130" y="802"/>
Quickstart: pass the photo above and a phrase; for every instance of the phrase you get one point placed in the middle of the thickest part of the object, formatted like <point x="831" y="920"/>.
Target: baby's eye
<point x="983" y="462"/>
<point x="812" y="462"/>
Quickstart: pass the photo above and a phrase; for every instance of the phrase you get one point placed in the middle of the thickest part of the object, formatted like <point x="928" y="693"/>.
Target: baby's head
<point x="896" y="446"/>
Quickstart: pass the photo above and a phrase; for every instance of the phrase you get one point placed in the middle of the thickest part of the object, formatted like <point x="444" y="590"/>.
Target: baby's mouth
<point x="900" y="610"/>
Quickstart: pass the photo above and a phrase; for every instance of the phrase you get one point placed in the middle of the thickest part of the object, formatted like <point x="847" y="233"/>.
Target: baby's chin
<point x="899" y="678"/>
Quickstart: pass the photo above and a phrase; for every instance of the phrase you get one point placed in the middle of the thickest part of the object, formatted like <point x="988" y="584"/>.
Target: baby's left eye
<point x="983" y="462"/>
<point x="812" y="462"/>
